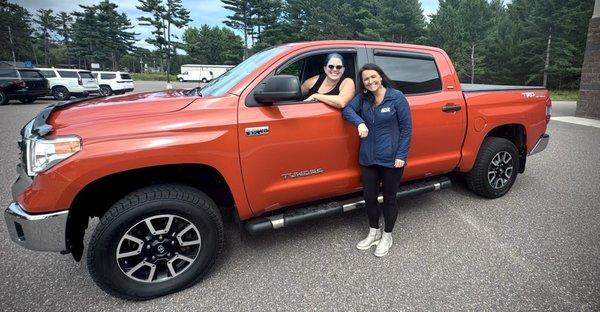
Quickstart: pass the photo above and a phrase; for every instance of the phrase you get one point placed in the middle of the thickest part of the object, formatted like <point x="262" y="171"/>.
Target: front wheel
<point x="3" y="98"/>
<point x="155" y="241"/>
<point x="61" y="93"/>
<point x="495" y="169"/>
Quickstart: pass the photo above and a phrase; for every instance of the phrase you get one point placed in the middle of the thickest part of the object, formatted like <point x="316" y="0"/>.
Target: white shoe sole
<point x="374" y="243"/>
<point x="381" y="255"/>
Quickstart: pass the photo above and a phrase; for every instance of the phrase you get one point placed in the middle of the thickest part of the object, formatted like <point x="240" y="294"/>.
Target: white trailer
<point x="204" y="73"/>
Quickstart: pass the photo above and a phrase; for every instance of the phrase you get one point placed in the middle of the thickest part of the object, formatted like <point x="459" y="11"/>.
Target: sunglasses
<point x="338" y="67"/>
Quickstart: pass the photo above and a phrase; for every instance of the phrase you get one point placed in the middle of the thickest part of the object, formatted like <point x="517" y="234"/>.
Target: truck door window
<point x="312" y="65"/>
<point x="411" y="75"/>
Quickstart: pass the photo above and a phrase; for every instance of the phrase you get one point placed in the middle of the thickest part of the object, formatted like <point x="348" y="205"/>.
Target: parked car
<point x="23" y="84"/>
<point x="113" y="82"/>
<point x="161" y="169"/>
<point x="65" y="83"/>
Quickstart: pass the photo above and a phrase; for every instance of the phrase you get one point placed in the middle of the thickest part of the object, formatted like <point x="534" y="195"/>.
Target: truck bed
<point x="468" y="87"/>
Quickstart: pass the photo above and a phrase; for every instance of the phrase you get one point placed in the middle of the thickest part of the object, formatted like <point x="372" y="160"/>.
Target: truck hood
<point x="138" y="105"/>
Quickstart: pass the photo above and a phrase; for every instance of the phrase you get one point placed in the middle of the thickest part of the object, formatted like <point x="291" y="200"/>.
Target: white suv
<point x="66" y="82"/>
<point x="113" y="82"/>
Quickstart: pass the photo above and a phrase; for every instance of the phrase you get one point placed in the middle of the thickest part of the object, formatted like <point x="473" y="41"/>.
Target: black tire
<point x="106" y="90"/>
<point x="181" y="80"/>
<point x="27" y="100"/>
<point x="61" y="93"/>
<point x="3" y="98"/>
<point x="204" y="80"/>
<point x="495" y="169"/>
<point x="127" y="218"/>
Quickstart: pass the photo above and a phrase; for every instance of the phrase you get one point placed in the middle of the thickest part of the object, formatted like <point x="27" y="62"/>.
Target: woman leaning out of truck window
<point x="382" y="117"/>
<point x="332" y="87"/>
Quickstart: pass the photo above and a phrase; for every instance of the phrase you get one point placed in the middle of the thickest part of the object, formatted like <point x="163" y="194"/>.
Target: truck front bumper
<point x="41" y="232"/>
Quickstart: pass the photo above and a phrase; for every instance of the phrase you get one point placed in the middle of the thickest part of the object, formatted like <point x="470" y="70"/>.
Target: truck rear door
<point x="438" y="110"/>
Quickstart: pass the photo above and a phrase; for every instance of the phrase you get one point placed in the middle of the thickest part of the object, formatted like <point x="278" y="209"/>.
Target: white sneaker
<point x="384" y="244"/>
<point x="371" y="239"/>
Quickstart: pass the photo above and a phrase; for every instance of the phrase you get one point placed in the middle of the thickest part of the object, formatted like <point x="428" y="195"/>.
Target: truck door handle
<point x="256" y="131"/>
<point x="451" y="108"/>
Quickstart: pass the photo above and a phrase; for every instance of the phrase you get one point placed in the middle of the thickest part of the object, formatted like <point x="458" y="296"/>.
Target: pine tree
<point x="241" y="18"/>
<point x="403" y="20"/>
<point x="47" y="24"/>
<point x="64" y="30"/>
<point x="18" y="19"/>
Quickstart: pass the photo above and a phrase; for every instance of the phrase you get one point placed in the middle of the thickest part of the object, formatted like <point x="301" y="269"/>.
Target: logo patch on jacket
<point x="385" y="110"/>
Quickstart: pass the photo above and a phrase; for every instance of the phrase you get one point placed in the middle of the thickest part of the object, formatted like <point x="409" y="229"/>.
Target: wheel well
<point x="59" y="86"/>
<point x="97" y="197"/>
<point x="517" y="135"/>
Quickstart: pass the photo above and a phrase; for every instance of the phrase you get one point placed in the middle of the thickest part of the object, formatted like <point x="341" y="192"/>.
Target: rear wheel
<point x="495" y="169"/>
<point x="3" y="98"/>
<point x="155" y="241"/>
<point x="27" y="100"/>
<point x="180" y="79"/>
<point x="61" y="93"/>
<point x="204" y="80"/>
<point x="105" y="90"/>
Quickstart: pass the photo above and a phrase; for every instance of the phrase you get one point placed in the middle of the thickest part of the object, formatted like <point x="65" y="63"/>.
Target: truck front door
<point x="300" y="151"/>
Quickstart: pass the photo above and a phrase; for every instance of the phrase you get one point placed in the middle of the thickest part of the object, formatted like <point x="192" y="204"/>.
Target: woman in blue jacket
<point x="382" y="117"/>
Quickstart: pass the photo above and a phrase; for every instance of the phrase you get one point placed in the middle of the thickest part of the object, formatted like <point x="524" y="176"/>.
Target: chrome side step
<point x="308" y="213"/>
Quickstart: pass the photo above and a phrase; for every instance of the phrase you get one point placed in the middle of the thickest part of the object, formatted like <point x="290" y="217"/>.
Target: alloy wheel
<point x="158" y="248"/>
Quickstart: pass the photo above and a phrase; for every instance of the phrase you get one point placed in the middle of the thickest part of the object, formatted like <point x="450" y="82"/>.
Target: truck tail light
<point x="79" y="81"/>
<point x="548" y="110"/>
<point x="20" y="84"/>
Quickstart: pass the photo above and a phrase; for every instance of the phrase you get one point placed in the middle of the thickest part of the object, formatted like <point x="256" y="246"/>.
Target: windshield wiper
<point x="193" y="92"/>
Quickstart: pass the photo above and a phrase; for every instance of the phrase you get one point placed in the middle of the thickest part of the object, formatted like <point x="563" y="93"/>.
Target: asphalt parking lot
<point x="537" y="248"/>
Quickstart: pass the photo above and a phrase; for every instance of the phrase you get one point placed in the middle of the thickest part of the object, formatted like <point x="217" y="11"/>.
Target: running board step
<point x="262" y="224"/>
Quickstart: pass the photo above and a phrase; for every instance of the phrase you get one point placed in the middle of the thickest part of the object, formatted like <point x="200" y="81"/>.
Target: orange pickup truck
<point x="161" y="169"/>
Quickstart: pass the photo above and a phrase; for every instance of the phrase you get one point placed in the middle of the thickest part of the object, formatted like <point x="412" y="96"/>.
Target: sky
<point x="202" y="12"/>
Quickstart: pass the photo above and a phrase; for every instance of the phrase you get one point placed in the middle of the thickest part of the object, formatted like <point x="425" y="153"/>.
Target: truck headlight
<point x="42" y="154"/>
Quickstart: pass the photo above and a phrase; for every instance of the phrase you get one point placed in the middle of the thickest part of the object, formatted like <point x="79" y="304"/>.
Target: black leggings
<point x="390" y="179"/>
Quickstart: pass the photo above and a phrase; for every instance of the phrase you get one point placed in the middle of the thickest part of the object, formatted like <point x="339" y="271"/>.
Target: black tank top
<point x="317" y="85"/>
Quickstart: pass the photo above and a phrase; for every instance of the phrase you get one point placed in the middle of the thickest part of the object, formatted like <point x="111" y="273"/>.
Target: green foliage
<point x="18" y="19"/>
<point x="564" y="95"/>
<point x="201" y="44"/>
<point x="100" y="34"/>
<point x="165" y="14"/>
<point x="47" y="24"/>
<point x="152" y="77"/>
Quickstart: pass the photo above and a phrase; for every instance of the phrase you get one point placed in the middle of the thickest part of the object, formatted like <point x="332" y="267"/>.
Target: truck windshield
<point x="229" y="79"/>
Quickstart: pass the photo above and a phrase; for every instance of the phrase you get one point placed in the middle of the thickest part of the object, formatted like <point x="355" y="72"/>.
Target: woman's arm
<point x="309" y="83"/>
<point x="405" y="126"/>
<point x="338" y="101"/>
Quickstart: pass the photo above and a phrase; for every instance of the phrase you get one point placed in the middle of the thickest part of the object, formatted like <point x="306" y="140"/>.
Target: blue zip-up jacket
<point x="390" y="128"/>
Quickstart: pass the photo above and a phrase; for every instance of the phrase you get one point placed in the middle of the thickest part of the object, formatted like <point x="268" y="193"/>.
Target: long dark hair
<point x="385" y="81"/>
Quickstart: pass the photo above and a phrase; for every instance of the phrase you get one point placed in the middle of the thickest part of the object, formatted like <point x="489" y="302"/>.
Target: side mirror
<point x="279" y="88"/>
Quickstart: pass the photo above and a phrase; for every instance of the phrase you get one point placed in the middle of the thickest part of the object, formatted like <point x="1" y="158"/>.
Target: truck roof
<point x="360" y="42"/>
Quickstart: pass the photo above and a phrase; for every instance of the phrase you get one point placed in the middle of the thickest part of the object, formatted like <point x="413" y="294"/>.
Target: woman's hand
<point x="363" y="131"/>
<point x="399" y="163"/>
<point x="311" y="98"/>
